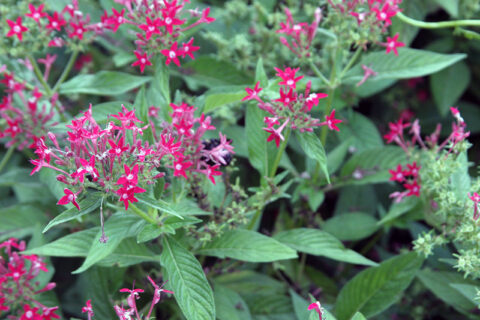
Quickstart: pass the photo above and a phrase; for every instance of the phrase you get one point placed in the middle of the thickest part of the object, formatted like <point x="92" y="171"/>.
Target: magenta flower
<point x="69" y="197"/>
<point x="331" y="122"/>
<point x="36" y="13"/>
<point x="142" y="61"/>
<point x="398" y="174"/>
<point x="172" y="54"/>
<point x="392" y="44"/>
<point x="16" y="28"/>
<point x="317" y="307"/>
<point x="253" y="93"/>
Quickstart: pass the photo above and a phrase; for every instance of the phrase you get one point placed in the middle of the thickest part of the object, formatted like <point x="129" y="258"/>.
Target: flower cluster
<point x="373" y="17"/>
<point x="291" y="108"/>
<point x="18" y="286"/>
<point x="409" y="178"/>
<point x="117" y="161"/>
<point x="301" y="34"/>
<point x="131" y="312"/>
<point x="70" y="21"/>
<point x="25" y="116"/>
<point x="396" y="134"/>
<point x="160" y="25"/>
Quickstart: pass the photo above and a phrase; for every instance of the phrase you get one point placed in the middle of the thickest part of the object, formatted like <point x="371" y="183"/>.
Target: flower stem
<point x="38" y="74"/>
<point x="254" y="220"/>
<point x="66" y="71"/>
<point x="438" y="25"/>
<point x="278" y="158"/>
<point x="7" y="156"/>
<point x="318" y="73"/>
<point x="142" y="214"/>
<point x="350" y="63"/>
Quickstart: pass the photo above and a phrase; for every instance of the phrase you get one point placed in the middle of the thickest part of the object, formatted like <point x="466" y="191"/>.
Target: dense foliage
<point x="241" y="159"/>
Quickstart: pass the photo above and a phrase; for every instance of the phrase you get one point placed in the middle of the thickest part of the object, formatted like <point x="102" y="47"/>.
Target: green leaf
<point x="358" y="316"/>
<point x="246" y="245"/>
<point x="117" y="228"/>
<point x="439" y="282"/>
<point x="161" y="205"/>
<point x="361" y="132"/>
<point x="104" y="83"/>
<point x="128" y="253"/>
<point x="320" y="243"/>
<point x="448" y="86"/>
<point x="469" y="291"/>
<point x="102" y="112"/>
<point x="87" y="205"/>
<point x="375" y="289"/>
<point x="410" y="63"/>
<point x="220" y="96"/>
<point x="371" y="166"/>
<point x="460" y="179"/>
<point x="188" y="281"/>
<point x="398" y="209"/>
<point x="73" y="245"/>
<point x="20" y="220"/>
<point x="313" y="148"/>
<point x="150" y="231"/>
<point x="260" y="74"/>
<point x="161" y="81"/>
<point x="256" y="139"/>
<point x="229" y="304"/>
<point x="351" y="226"/>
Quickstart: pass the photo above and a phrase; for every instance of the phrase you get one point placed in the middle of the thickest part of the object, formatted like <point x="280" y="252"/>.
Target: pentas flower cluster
<point x="24" y="116"/>
<point x="300" y="34"/>
<point x="160" y="24"/>
<point x="291" y="108"/>
<point x="18" y="286"/>
<point x="116" y="161"/>
<point x="70" y="22"/>
<point x="375" y="15"/>
<point x="409" y="179"/>
<point x="132" y="311"/>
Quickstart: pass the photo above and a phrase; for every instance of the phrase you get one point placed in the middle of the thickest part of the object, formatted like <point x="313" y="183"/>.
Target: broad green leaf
<point x="161" y="81"/>
<point x="229" y="304"/>
<point x="161" y="205"/>
<point x="117" y="228"/>
<point x="104" y="83"/>
<point x="260" y="74"/>
<point x="336" y="157"/>
<point x="73" y="245"/>
<point x="20" y="220"/>
<point x="220" y="96"/>
<point x="410" y="63"/>
<point x="469" y="291"/>
<point x="313" y="148"/>
<point x="351" y="226"/>
<point x="439" y="282"/>
<point x="371" y="166"/>
<point x="320" y="243"/>
<point x="246" y="282"/>
<point x="398" y="209"/>
<point x="246" y="245"/>
<point x="87" y="205"/>
<point x="187" y="279"/>
<point x="375" y="289"/>
<point x="361" y="132"/>
<point x="150" y="231"/>
<point x="448" y="85"/>
<point x="451" y="6"/>
<point x="128" y="253"/>
<point x="256" y="139"/>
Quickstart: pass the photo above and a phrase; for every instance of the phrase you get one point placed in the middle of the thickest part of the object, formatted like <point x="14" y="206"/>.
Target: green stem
<point x="66" y="71"/>
<point x="7" y="156"/>
<point x="254" y="220"/>
<point x="301" y="266"/>
<point x="438" y="25"/>
<point x="281" y="149"/>
<point x="318" y="73"/>
<point x="350" y="63"/>
<point x="142" y="214"/>
<point x="38" y="73"/>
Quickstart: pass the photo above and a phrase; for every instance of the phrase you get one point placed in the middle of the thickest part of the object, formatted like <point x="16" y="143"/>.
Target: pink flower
<point x="413" y="189"/>
<point x="253" y="93"/>
<point x="170" y="20"/>
<point x="331" y="122"/>
<point x="158" y="291"/>
<point x="130" y="177"/>
<point x="188" y="49"/>
<point x="55" y="22"/>
<point x="286" y="98"/>
<point x="317" y="307"/>
<point x="180" y="166"/>
<point x="398" y="174"/>
<point x="117" y="148"/>
<point x="151" y="27"/>
<point x="69" y="197"/>
<point x="367" y="73"/>
<point x="77" y="30"/>
<point x="127" y="194"/>
<point x="392" y="44"/>
<point x="413" y="169"/>
<point x="172" y="54"/>
<point x="142" y="60"/>
<point x="116" y="19"/>
<point x="313" y="99"/>
<point x="15" y="271"/>
<point x="205" y="18"/>
<point x="276" y="134"/>
<point x="288" y="77"/>
<point x="49" y="313"/>
<point x="16" y="28"/>
<point x="210" y="172"/>
<point x="30" y="313"/>
<point x="88" y="308"/>
<point x="36" y="13"/>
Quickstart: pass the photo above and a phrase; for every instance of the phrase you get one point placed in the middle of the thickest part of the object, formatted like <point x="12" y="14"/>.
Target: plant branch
<point x="66" y="71"/>
<point x="438" y="25"/>
<point x="38" y="74"/>
<point x="7" y="156"/>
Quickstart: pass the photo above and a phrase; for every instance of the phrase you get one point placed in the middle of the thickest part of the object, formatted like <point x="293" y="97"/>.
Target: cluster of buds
<point x="117" y="161"/>
<point x="18" y="287"/>
<point x="70" y="21"/>
<point x="409" y="178"/>
<point x="291" y="108"/>
<point x="374" y="16"/>
<point x="160" y="25"/>
<point x="457" y="135"/>
<point x="131" y="312"/>
<point x="24" y="120"/>
<point x="301" y="34"/>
